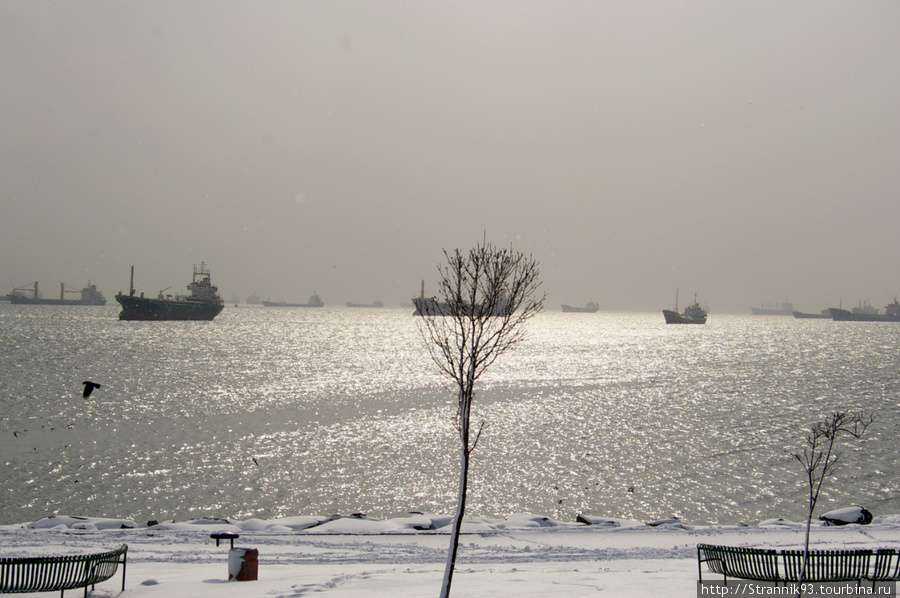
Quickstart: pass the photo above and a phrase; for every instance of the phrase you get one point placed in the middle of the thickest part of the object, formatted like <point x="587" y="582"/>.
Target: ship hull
<point x="822" y="316"/>
<point x="22" y="300"/>
<point x="842" y="315"/>
<point x="141" y="308"/>
<point x="429" y="307"/>
<point x="673" y="317"/>
<point x="286" y="304"/>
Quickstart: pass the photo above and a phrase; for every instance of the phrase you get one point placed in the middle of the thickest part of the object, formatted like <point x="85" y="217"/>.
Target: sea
<point x="271" y="412"/>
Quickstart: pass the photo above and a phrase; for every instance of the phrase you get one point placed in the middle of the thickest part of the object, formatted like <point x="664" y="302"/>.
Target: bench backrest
<point x="45" y="573"/>
<point x="827" y="565"/>
<point x="746" y="563"/>
<point x="886" y="566"/>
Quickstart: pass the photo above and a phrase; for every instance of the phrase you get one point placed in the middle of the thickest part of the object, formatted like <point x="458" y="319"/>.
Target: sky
<point x="745" y="151"/>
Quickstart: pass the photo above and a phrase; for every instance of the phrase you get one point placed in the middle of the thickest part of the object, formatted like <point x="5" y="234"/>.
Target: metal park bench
<point x="762" y="564"/>
<point x="886" y="566"/>
<point x="828" y="565"/>
<point x="52" y="573"/>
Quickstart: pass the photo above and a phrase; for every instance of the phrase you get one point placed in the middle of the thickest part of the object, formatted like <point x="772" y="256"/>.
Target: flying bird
<point x="89" y="388"/>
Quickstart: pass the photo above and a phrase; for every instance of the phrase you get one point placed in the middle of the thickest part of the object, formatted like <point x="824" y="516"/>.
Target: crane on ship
<point x="33" y="288"/>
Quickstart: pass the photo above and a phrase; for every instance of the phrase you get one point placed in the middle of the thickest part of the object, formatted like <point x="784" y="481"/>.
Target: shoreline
<point x="352" y="557"/>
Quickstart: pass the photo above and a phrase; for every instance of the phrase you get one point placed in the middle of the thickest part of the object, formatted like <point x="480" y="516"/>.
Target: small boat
<point x="204" y="302"/>
<point x="589" y="308"/>
<point x="314" y="301"/>
<point x="692" y="314"/>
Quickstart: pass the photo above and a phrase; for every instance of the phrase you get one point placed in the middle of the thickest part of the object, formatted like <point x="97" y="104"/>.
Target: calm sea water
<point x="271" y="412"/>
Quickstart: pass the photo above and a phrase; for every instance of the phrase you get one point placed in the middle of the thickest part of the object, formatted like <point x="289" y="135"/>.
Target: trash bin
<point x="243" y="564"/>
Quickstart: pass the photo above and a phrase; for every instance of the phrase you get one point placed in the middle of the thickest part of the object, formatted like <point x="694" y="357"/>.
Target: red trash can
<point x="243" y="564"/>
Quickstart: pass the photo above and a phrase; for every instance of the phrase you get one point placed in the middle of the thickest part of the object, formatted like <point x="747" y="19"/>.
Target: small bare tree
<point x="484" y="298"/>
<point x="820" y="457"/>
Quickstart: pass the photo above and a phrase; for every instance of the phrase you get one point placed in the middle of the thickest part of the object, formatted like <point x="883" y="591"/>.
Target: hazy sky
<point x="748" y="151"/>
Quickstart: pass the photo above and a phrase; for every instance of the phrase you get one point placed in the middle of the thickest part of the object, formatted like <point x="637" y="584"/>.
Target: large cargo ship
<point x="867" y="313"/>
<point x="430" y="306"/>
<point x="89" y="296"/>
<point x="373" y="304"/>
<point x="204" y="302"/>
<point x="825" y="314"/>
<point x="589" y="308"/>
<point x="785" y="309"/>
<point x="314" y="301"/>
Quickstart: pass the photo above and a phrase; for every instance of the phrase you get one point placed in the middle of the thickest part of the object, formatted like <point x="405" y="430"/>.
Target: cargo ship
<point x="589" y="308"/>
<point x="693" y="314"/>
<point x="89" y="296"/>
<point x="314" y="301"/>
<point x="825" y="314"/>
<point x="785" y="309"/>
<point x="430" y="306"/>
<point x="204" y="302"/>
<point x="867" y="313"/>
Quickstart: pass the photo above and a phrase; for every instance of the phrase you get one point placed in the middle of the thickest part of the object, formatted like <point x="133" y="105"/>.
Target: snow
<point x="524" y="555"/>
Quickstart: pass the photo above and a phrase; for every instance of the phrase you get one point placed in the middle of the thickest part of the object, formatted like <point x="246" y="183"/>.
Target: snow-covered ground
<point x="523" y="556"/>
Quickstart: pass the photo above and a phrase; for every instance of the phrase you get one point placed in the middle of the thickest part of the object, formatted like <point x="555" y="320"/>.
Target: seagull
<point x="89" y="388"/>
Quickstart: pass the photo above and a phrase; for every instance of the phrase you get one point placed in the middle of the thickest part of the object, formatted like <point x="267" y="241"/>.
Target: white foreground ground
<point x="523" y="557"/>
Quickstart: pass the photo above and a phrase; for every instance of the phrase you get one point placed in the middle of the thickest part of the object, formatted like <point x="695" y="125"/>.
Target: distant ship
<point x="786" y="309"/>
<point x="825" y="314"/>
<point x="432" y="307"/>
<point x="589" y="308"/>
<point x="89" y="296"/>
<point x="204" y="302"/>
<point x="867" y="313"/>
<point x="314" y="301"/>
<point x="693" y="314"/>
<point x="373" y="304"/>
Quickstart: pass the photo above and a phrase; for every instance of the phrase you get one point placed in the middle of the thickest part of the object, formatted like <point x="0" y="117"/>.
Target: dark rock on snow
<point x="847" y="515"/>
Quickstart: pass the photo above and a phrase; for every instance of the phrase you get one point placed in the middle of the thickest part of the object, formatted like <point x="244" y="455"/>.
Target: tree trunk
<point x="460" y="507"/>
<point x="806" y="547"/>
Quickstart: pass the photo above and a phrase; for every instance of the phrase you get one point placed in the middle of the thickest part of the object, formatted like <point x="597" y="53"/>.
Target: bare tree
<point x="484" y="298"/>
<point x="820" y="457"/>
